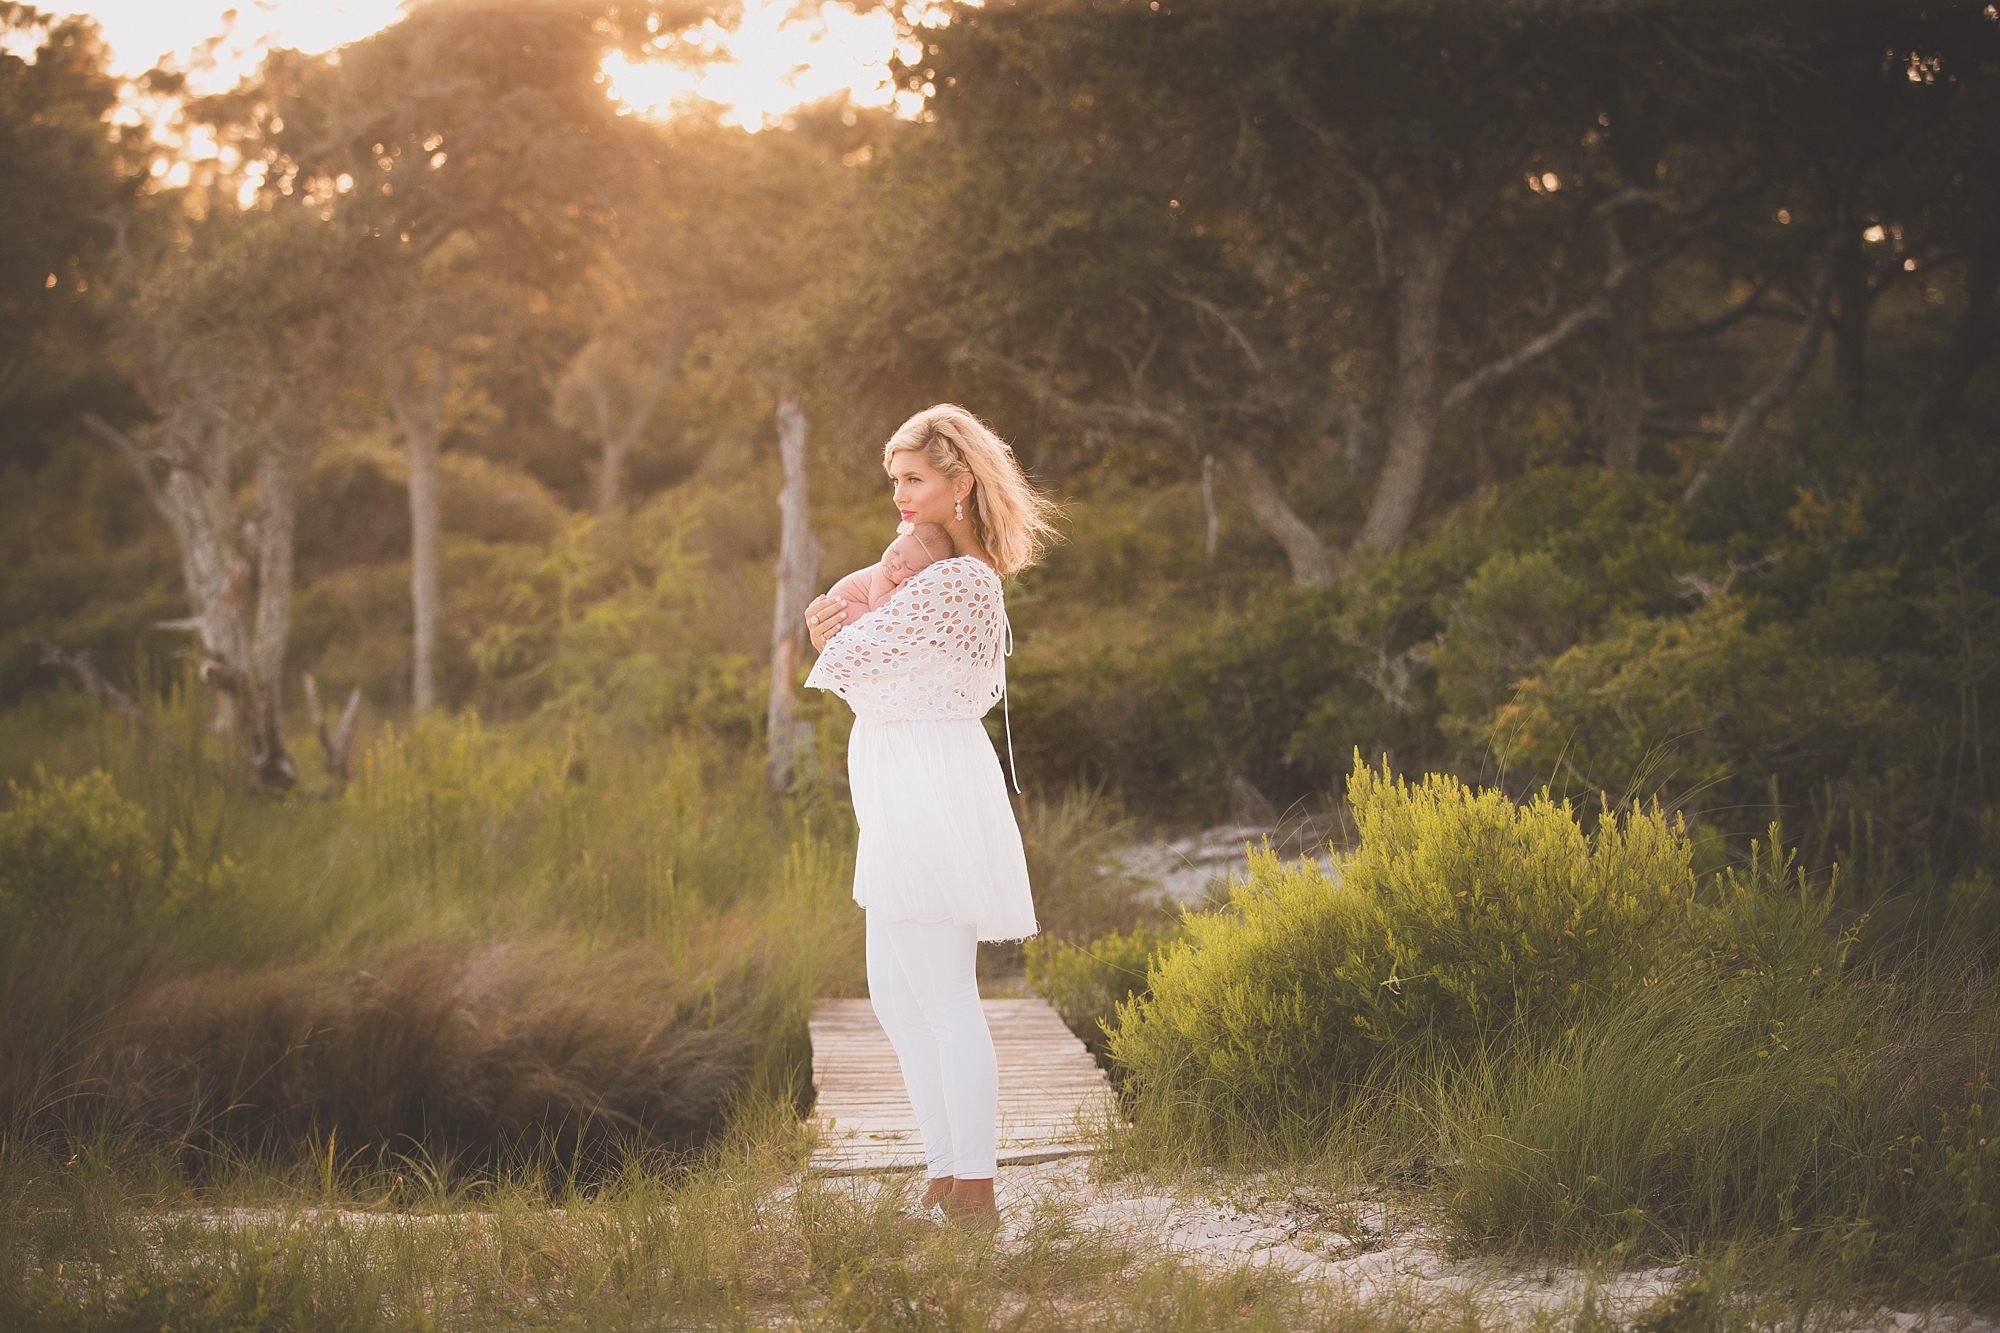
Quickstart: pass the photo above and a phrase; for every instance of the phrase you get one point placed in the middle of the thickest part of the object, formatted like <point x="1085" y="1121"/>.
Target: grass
<point x="738" y="1238"/>
<point x="512" y="1035"/>
<point x="1770" y="1101"/>
<point x="491" y="941"/>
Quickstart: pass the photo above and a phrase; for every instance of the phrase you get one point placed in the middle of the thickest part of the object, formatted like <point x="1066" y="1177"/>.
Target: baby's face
<point x="905" y="556"/>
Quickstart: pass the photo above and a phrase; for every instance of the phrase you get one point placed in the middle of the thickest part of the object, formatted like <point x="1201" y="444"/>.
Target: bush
<point x="72" y="848"/>
<point x="1763" y="1089"/>
<point x="1705" y="703"/>
<point x="1461" y="918"/>
<point x="532" y="1044"/>
<point x="487" y="941"/>
<point x="1087" y="983"/>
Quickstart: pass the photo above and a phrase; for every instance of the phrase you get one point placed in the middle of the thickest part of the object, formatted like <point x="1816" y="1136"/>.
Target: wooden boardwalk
<point x="1053" y="1097"/>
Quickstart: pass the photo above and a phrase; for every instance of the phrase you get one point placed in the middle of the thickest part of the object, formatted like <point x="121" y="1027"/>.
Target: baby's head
<point x="923" y="545"/>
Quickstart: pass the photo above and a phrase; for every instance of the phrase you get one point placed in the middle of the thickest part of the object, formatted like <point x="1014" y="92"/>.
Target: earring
<point x="958" y="510"/>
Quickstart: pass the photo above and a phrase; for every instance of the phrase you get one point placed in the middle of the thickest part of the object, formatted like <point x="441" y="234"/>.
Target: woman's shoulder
<point x="962" y="581"/>
<point x="957" y="570"/>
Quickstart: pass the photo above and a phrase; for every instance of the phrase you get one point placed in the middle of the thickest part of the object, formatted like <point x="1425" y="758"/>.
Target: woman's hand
<point x="826" y="614"/>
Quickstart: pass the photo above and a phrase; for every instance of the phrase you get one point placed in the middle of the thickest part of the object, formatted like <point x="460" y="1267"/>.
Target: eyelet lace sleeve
<point x="931" y="652"/>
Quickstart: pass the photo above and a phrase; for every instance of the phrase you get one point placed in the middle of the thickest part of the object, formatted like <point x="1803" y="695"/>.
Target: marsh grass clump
<point x="1770" y="1088"/>
<point x="1461" y="919"/>
<point x="494" y="942"/>
<point x="1088" y="982"/>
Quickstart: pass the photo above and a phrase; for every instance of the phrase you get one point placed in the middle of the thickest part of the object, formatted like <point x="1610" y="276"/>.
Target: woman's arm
<point x="938" y="638"/>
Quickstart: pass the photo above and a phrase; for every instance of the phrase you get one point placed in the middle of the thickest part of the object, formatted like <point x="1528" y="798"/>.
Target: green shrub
<point x="1461" y="918"/>
<point x="1708" y="703"/>
<point x="491" y="940"/>
<point x="1088" y="982"/>
<point x="1765" y="1090"/>
<point x="72" y="848"/>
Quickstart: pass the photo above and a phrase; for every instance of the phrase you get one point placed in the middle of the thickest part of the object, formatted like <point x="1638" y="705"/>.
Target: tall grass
<point x="490" y="942"/>
<point x="1734" y="1079"/>
<point x="737" y="1240"/>
<point x="1771" y="1090"/>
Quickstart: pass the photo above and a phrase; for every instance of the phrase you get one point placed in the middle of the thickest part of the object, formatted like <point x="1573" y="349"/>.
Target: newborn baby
<point x="923" y="545"/>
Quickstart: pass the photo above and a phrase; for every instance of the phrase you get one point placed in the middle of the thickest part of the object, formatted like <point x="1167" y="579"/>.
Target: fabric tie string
<point x="1007" y="717"/>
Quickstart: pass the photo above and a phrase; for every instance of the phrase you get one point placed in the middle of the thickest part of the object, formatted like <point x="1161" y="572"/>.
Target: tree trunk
<point x="798" y="570"/>
<point x="1312" y="564"/>
<point x="1625" y="385"/>
<point x="1357" y="433"/>
<point x="197" y="504"/>
<point x="617" y="440"/>
<point x="1210" y="521"/>
<point x="1424" y="255"/>
<point x="282" y="474"/>
<point x="420" y="417"/>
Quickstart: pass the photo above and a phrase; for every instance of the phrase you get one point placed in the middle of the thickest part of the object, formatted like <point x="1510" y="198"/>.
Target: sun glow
<point x="783" y="54"/>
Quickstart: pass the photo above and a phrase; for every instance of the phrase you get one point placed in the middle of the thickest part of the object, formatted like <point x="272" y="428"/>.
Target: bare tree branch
<point x="1131" y="417"/>
<point x="1766" y="400"/>
<point x="1596" y="308"/>
<point x="1751" y="307"/>
<point x="338" y="745"/>
<point x="1208" y="307"/>
<point x="1312" y="564"/>
<point x="129" y="447"/>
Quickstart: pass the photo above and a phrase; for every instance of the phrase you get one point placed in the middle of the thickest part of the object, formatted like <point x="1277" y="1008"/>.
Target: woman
<point x="939" y="865"/>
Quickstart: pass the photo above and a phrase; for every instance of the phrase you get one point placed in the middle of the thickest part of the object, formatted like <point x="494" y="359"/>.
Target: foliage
<point x="71" y="848"/>
<point x="602" y="629"/>
<point x="490" y="942"/>
<point x="73" y="852"/>
<point x="1766" y="1086"/>
<point x="1088" y="982"/>
<point x="67" y="183"/>
<point x="1750" y="704"/>
<point x="1072" y="840"/>
<point x="1461" y="919"/>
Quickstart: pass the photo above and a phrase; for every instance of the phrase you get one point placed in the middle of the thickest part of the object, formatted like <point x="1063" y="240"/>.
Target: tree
<point x="67" y="188"/>
<point x="798" y="572"/>
<point x="1239" y="230"/>
<point x="237" y="336"/>
<point x="472" y="154"/>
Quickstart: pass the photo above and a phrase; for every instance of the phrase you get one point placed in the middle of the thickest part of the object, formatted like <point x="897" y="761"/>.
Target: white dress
<point x="938" y="837"/>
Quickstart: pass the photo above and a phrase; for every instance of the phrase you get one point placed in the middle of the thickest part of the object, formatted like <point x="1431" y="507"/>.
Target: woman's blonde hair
<point x="1013" y="520"/>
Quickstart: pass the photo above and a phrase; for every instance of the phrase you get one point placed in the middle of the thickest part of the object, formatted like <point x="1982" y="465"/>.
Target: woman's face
<point x="923" y="494"/>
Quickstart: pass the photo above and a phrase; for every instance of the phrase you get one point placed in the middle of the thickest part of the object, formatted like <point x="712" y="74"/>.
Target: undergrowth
<point x="1574" y="1047"/>
<point x="491" y="942"/>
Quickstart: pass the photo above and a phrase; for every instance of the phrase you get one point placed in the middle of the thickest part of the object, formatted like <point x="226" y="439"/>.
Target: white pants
<point x="925" y="990"/>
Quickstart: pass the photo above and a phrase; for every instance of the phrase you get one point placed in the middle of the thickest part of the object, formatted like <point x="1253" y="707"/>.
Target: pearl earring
<point x="958" y="510"/>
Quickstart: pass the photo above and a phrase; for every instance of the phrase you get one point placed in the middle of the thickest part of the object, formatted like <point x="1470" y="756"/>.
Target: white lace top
<point x="934" y="651"/>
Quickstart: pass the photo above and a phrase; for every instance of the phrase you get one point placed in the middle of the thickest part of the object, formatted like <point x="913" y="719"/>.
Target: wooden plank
<point x="1053" y="1097"/>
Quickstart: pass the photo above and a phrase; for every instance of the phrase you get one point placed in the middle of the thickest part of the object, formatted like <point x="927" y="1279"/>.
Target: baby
<point x="923" y="545"/>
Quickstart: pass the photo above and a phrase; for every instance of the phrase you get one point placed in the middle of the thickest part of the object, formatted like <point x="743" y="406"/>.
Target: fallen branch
<point x="79" y="665"/>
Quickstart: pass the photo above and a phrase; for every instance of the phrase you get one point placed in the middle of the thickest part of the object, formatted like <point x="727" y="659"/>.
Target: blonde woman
<point x="939" y="865"/>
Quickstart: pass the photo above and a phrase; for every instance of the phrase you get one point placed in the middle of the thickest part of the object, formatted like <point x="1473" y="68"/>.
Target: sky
<point x="774" y="61"/>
